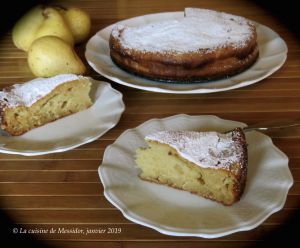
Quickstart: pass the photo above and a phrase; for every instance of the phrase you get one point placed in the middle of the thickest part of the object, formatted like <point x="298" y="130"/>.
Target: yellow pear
<point x="79" y="22"/>
<point x="49" y="56"/>
<point x="54" y="25"/>
<point x="24" y="31"/>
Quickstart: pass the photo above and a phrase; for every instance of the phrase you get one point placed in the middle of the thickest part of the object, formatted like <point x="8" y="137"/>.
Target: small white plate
<point x="175" y="212"/>
<point x="272" y="55"/>
<point x="71" y="131"/>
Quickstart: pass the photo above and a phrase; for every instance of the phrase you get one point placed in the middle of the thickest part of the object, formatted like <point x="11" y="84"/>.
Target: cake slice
<point x="209" y="164"/>
<point x="43" y="100"/>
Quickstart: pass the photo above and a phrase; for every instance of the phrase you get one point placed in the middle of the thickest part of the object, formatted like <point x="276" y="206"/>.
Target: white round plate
<point x="71" y="131"/>
<point x="175" y="212"/>
<point x="272" y="55"/>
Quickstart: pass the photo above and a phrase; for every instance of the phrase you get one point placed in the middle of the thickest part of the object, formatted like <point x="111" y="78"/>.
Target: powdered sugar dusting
<point x="199" y="29"/>
<point x="205" y="149"/>
<point x="28" y="93"/>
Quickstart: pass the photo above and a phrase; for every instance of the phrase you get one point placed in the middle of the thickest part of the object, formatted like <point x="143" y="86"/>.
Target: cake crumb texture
<point x="163" y="163"/>
<point x="24" y="107"/>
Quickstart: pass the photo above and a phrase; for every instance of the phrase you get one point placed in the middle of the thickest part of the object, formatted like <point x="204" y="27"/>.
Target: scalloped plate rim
<point x="87" y="140"/>
<point x="138" y="219"/>
<point x="157" y="88"/>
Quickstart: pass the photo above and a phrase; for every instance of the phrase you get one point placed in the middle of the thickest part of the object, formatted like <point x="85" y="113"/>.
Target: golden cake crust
<point x="194" y="66"/>
<point x="224" y="60"/>
<point x="241" y="174"/>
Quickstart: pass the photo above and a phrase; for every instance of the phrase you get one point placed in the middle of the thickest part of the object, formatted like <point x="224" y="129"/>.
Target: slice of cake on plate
<point x="209" y="164"/>
<point x="43" y="100"/>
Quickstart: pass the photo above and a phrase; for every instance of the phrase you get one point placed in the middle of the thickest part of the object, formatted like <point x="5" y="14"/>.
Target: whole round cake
<point x="202" y="45"/>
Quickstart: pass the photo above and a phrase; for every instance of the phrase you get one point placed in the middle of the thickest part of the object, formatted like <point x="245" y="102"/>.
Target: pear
<point x="24" y="31"/>
<point x="50" y="55"/>
<point x="79" y="22"/>
<point x="54" y="25"/>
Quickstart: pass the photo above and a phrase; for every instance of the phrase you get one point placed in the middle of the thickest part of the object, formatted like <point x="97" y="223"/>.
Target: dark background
<point x="284" y="11"/>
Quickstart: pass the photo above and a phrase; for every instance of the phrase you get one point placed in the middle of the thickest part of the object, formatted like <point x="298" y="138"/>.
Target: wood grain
<point x="63" y="190"/>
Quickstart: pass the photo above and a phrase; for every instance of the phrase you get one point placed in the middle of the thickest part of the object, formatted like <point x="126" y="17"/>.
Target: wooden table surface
<point x="64" y="190"/>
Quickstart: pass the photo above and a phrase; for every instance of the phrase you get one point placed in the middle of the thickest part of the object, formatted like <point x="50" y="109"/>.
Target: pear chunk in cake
<point x="210" y="164"/>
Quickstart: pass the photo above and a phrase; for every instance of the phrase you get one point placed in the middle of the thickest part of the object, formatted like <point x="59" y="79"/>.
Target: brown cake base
<point x="203" y="45"/>
<point x="190" y="67"/>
